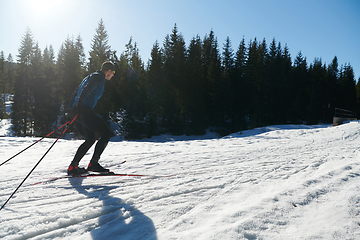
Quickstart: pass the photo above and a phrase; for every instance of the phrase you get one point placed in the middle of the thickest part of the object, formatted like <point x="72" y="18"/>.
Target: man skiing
<point x="88" y="123"/>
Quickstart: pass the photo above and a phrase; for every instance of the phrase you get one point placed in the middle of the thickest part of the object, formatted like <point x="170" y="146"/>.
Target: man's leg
<point x="99" y="127"/>
<point x="82" y="150"/>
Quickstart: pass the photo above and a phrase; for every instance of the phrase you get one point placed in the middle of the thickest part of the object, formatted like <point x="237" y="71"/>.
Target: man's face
<point x="109" y="74"/>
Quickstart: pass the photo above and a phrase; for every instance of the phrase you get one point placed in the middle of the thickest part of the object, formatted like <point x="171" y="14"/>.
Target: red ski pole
<point x="37" y="164"/>
<point x="34" y="143"/>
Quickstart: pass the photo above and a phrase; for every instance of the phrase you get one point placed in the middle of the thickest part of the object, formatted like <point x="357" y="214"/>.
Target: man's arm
<point x="91" y="84"/>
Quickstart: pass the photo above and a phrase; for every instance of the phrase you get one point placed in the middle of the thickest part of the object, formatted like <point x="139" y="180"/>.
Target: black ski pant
<point x="92" y="128"/>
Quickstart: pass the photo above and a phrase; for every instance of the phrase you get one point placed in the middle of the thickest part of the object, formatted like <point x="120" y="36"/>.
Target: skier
<point x="88" y="123"/>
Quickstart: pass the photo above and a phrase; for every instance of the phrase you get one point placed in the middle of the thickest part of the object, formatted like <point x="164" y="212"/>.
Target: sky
<point x="318" y="28"/>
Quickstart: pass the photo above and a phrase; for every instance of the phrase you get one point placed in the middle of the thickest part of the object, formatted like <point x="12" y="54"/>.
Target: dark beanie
<point x="106" y="66"/>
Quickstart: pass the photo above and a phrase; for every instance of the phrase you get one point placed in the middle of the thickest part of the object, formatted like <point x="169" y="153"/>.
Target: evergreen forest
<point x="181" y="89"/>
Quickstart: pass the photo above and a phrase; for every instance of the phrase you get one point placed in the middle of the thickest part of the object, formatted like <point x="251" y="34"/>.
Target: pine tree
<point x="273" y="81"/>
<point x="8" y="84"/>
<point x="21" y="107"/>
<point x="317" y="104"/>
<point x="240" y="88"/>
<point x="38" y="90"/>
<point x="174" y="67"/>
<point x="286" y="86"/>
<point x="195" y="118"/>
<point x="69" y="69"/>
<point x="156" y="84"/>
<point x="240" y="60"/>
<point x="225" y="98"/>
<point x="332" y="85"/>
<point x="128" y="90"/>
<point x="262" y="109"/>
<point x="301" y="89"/>
<point x="278" y="67"/>
<point x="130" y="77"/>
<point x="347" y="88"/>
<point x="255" y="77"/>
<point x="212" y="75"/>
<point x="155" y="90"/>
<point x="10" y="69"/>
<point x="80" y="49"/>
<point x="51" y="105"/>
<point x="100" y="49"/>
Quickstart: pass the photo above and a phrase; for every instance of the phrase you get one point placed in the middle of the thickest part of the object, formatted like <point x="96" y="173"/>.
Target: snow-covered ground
<point x="277" y="182"/>
<point x="5" y="128"/>
<point x="5" y="124"/>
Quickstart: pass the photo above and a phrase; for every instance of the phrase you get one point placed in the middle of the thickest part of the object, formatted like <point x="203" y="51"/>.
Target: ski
<point x="72" y="176"/>
<point x="110" y="174"/>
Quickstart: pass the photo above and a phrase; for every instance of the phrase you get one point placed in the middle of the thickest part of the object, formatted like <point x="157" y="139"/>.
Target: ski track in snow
<point x="277" y="182"/>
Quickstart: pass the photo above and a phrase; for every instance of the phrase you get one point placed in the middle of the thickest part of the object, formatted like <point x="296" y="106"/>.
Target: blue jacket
<point x="91" y="89"/>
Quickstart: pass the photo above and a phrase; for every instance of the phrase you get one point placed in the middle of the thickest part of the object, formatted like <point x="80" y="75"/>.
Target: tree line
<point x="181" y="90"/>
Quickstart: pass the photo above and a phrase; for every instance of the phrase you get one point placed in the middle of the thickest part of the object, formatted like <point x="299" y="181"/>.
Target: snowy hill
<point x="278" y="182"/>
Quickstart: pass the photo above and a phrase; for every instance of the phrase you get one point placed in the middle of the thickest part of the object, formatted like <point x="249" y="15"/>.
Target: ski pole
<point x="37" y="164"/>
<point x="34" y="143"/>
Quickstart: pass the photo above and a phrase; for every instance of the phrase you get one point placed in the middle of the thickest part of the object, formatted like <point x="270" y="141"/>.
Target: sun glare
<point x="44" y="6"/>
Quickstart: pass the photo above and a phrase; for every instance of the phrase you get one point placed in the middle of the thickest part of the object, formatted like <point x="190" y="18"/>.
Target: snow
<point x="276" y="182"/>
<point x="5" y="124"/>
<point x="5" y="128"/>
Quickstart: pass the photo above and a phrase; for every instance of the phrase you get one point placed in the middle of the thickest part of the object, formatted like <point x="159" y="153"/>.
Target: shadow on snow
<point x="117" y="219"/>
